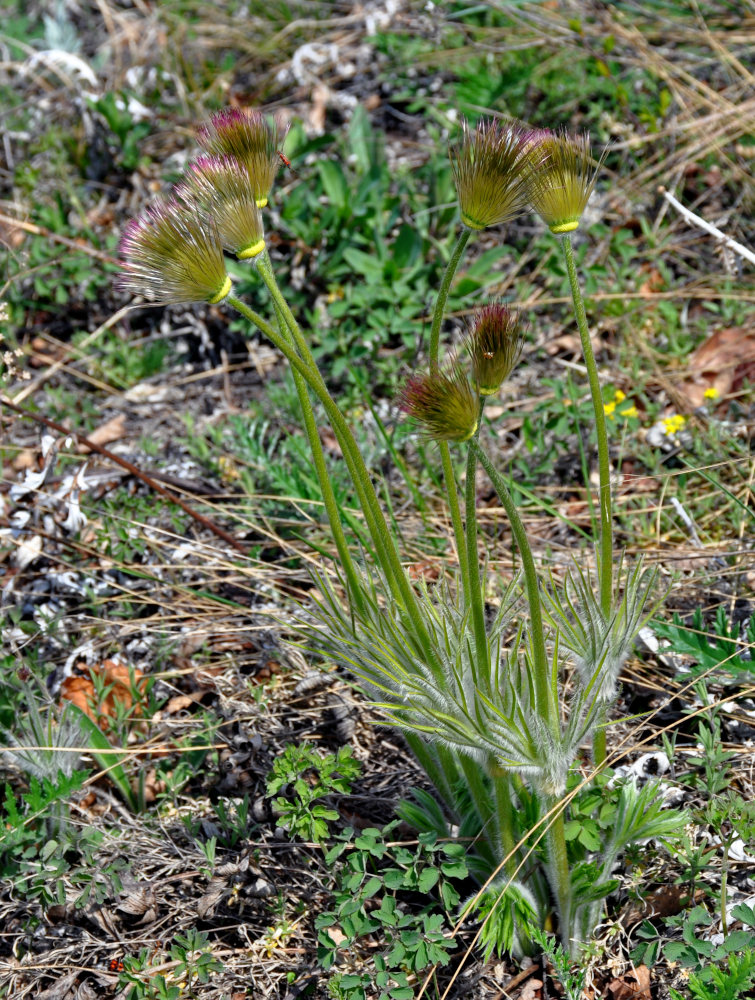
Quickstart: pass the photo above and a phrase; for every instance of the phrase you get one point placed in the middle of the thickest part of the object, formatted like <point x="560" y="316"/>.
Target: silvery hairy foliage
<point x="640" y="817"/>
<point x="43" y="745"/>
<point x="599" y="643"/>
<point x="485" y="711"/>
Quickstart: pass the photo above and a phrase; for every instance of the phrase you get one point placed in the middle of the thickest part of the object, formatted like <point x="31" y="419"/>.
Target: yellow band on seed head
<point x="251" y="251"/>
<point x="471" y="223"/>
<point x="470" y="435"/>
<point x="225" y="288"/>
<point x="485" y="391"/>
<point x="565" y="227"/>
<point x="261" y="202"/>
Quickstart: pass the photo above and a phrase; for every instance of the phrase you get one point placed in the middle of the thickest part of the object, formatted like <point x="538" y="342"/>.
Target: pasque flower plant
<point x="481" y="702"/>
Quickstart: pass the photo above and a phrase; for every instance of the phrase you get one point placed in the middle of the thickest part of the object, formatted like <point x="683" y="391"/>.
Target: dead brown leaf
<point x="569" y="345"/>
<point x="666" y="901"/>
<point x="25" y="459"/>
<point x="181" y="701"/>
<point x="112" y="430"/>
<point x="12" y="236"/>
<point x="117" y="689"/>
<point x="653" y="281"/>
<point x="46" y="352"/>
<point x="330" y="442"/>
<point x="722" y="362"/>
<point x="149" y="787"/>
<point x="531" y="989"/>
<point x="62" y="990"/>
<point x="425" y="569"/>
<point x="139" y="901"/>
<point x="635" y="985"/>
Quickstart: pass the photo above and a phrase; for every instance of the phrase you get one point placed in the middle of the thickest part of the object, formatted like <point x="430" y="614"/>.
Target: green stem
<point x="605" y="562"/>
<point x="474" y="778"/>
<point x="482" y="659"/>
<point x="265" y="271"/>
<point x="385" y="548"/>
<point x="599" y="747"/>
<point x="559" y="878"/>
<point x="353" y="583"/>
<point x="604" y="467"/>
<point x="545" y="701"/>
<point x="438" y="765"/>
<point x="445" y="287"/>
<point x="445" y="452"/>
<point x="503" y="791"/>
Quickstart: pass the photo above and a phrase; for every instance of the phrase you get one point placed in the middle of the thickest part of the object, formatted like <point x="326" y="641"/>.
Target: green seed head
<point x="494" y="344"/>
<point x="490" y="167"/>
<point x="221" y="188"/>
<point x="443" y="403"/>
<point x="561" y="179"/>
<point x="172" y="253"/>
<point x="251" y="140"/>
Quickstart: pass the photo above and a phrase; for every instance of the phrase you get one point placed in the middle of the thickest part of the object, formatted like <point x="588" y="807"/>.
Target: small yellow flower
<point x="619" y="396"/>
<point x="673" y="424"/>
<point x="608" y="408"/>
<point x="711" y="393"/>
<point x="631" y="411"/>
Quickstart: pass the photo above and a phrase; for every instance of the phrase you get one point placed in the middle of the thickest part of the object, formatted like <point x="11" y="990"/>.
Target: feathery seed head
<point x="172" y="253"/>
<point x="246" y="135"/>
<point x="561" y="182"/>
<point x="494" y="344"/>
<point x="490" y="168"/>
<point x="221" y="188"/>
<point x="443" y="403"/>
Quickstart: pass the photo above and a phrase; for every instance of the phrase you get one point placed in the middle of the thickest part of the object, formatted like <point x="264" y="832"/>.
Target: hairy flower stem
<point x="385" y="548"/>
<point x="476" y="585"/>
<point x="605" y="565"/>
<point x="546" y="704"/>
<point x="503" y="792"/>
<point x="445" y="287"/>
<point x="318" y="458"/>
<point x="265" y="271"/>
<point x="445" y="451"/>
<point x="559" y="877"/>
<point x="558" y="867"/>
<point x="481" y="801"/>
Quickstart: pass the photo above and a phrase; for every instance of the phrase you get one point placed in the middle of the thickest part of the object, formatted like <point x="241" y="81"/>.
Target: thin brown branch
<point x="130" y="467"/>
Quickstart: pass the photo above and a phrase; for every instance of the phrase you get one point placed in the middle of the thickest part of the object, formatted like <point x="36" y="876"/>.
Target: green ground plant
<point x="194" y="964"/>
<point x="723" y="964"/>
<point x="43" y="845"/>
<point x="723" y="649"/>
<point x="307" y="777"/>
<point x="374" y="881"/>
<point x="480" y="702"/>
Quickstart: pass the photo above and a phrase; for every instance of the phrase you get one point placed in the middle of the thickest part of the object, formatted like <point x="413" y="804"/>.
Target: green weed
<point x="300" y="778"/>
